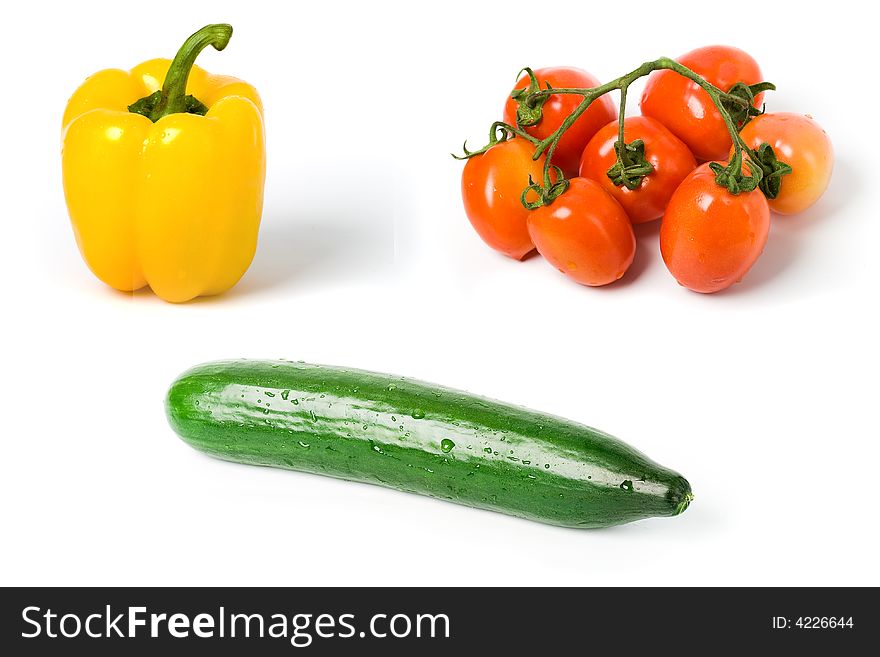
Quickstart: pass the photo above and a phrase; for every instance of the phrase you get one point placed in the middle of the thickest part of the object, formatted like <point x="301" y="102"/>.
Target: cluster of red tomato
<point x="709" y="237"/>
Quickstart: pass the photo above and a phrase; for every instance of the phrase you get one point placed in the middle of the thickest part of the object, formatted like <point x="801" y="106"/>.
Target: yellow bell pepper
<point x="163" y="188"/>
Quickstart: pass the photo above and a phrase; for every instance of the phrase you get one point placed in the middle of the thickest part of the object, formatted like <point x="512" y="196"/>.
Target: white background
<point x="765" y="396"/>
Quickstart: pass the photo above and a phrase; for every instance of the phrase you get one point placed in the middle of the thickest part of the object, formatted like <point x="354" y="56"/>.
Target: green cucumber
<point x="420" y="438"/>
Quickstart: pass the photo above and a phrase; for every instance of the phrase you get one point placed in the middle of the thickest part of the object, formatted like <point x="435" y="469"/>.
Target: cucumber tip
<point x="685" y="502"/>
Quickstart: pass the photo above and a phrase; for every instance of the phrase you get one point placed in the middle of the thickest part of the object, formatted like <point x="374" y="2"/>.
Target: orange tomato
<point x="557" y="108"/>
<point x="710" y="238"/>
<point x="491" y="186"/>
<point x="585" y="234"/>
<point x="670" y="157"/>
<point x="683" y="107"/>
<point x="801" y="142"/>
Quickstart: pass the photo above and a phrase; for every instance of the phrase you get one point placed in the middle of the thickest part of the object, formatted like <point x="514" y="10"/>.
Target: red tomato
<point x="585" y="234"/>
<point x="557" y="108"/>
<point x="799" y="141"/>
<point x="491" y="186"/>
<point x="672" y="162"/>
<point x="687" y="110"/>
<point x="710" y="238"/>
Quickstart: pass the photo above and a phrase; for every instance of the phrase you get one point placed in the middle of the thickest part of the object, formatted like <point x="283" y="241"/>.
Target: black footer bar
<point x="433" y="621"/>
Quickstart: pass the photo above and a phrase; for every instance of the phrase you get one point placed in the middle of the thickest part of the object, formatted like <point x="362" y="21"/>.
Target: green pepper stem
<point x="173" y="98"/>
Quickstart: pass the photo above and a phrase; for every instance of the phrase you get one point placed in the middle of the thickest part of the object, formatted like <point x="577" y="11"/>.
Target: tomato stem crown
<point x="631" y="166"/>
<point x="546" y="193"/>
<point x="772" y="168"/>
<point x="530" y="110"/>
<point x="739" y="101"/>
<point x="737" y="182"/>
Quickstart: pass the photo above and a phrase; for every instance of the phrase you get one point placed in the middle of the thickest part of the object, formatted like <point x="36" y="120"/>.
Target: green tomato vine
<point x="736" y="106"/>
